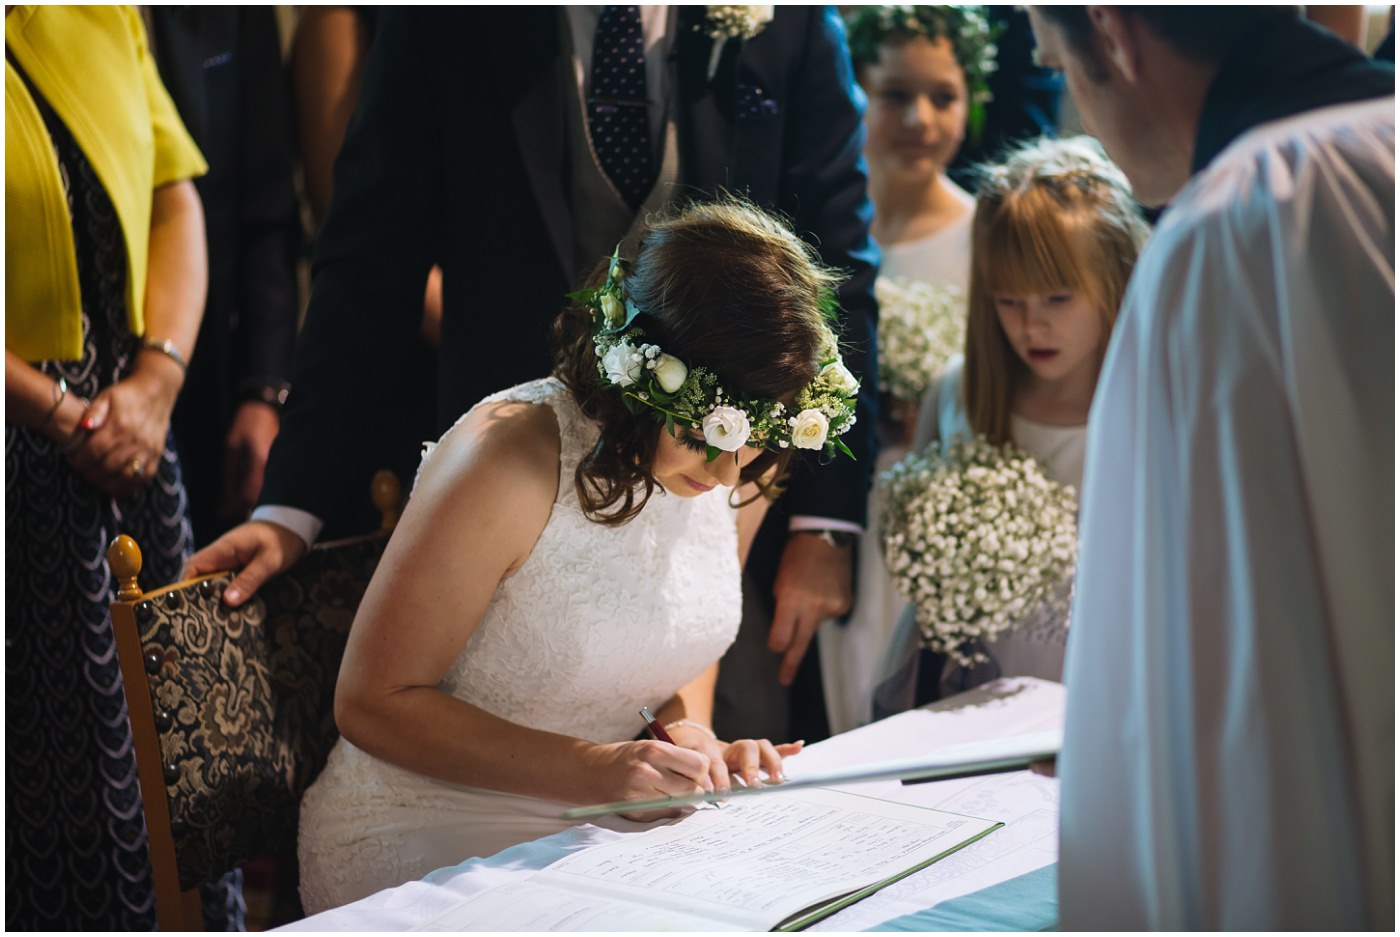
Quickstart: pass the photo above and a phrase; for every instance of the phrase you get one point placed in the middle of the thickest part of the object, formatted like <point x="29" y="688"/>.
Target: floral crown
<point x="692" y="398"/>
<point x="1080" y="161"/>
<point x="966" y="27"/>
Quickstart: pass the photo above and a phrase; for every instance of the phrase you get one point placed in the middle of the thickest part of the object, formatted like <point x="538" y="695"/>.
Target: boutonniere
<point x="724" y="23"/>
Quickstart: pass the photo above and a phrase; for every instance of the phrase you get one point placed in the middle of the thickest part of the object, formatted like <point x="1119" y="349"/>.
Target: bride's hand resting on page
<point x="743" y="758"/>
<point x="647" y="770"/>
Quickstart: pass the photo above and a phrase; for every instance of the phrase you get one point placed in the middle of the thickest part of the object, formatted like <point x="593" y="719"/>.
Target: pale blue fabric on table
<point x="1025" y="903"/>
<point x="535" y="854"/>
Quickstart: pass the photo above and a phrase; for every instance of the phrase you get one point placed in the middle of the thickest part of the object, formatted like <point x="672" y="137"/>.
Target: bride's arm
<point x="695" y="702"/>
<point x="480" y="505"/>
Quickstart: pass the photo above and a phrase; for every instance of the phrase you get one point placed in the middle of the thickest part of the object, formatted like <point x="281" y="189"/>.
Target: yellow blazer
<point x="92" y="66"/>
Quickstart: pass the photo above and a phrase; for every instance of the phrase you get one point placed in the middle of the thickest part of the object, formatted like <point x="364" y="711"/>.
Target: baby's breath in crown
<point x="692" y="398"/>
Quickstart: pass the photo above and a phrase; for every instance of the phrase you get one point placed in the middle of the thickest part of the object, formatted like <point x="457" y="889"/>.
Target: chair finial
<point x="124" y="556"/>
<point x="386" y="492"/>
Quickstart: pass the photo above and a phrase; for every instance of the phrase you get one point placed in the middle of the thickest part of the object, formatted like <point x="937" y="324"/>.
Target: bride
<point x="571" y="553"/>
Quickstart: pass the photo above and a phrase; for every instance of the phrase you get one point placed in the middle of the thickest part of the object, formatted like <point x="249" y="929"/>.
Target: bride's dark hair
<point x="723" y="285"/>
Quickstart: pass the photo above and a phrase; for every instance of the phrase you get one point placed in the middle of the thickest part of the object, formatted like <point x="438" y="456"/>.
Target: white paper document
<point x="749" y="866"/>
<point x="1027" y="803"/>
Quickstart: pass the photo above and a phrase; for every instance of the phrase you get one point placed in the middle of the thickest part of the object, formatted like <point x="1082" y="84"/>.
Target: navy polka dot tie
<point x="617" y="103"/>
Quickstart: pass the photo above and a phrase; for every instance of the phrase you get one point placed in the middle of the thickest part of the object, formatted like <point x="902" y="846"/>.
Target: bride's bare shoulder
<point x="507" y="445"/>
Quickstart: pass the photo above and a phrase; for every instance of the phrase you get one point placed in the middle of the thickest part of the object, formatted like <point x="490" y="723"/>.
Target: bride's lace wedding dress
<point x="598" y="622"/>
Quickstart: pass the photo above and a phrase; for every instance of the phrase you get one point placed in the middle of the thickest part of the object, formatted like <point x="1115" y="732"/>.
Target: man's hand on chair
<point x="258" y="550"/>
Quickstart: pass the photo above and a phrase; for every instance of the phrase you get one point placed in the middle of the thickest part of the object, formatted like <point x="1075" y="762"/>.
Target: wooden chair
<point x="230" y="709"/>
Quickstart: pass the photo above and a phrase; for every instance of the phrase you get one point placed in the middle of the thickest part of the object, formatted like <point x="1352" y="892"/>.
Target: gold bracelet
<point x="168" y="348"/>
<point x="694" y="725"/>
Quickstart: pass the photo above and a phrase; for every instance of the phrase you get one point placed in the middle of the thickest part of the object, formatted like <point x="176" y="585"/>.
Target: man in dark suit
<point x="468" y="150"/>
<point x="1025" y="97"/>
<point x="223" y="68"/>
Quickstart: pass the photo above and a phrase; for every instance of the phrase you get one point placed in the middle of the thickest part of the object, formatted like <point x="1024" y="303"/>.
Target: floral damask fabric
<point x="243" y="701"/>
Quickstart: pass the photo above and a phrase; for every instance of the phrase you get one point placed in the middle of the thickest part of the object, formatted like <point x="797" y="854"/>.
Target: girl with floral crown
<point x="925" y="71"/>
<point x="1055" y="236"/>
<point x="572" y="553"/>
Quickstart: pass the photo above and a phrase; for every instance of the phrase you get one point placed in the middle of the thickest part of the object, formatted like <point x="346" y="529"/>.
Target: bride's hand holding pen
<point x="645" y="770"/>
<point x="744" y="758"/>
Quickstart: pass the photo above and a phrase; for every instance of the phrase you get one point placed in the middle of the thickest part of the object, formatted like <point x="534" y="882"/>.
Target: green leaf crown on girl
<point x="692" y="398"/>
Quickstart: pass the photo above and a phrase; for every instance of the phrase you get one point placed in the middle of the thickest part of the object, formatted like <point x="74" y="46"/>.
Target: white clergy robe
<point x="1230" y="737"/>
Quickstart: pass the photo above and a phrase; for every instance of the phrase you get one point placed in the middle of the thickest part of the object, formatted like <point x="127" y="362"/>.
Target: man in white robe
<point x="1230" y="737"/>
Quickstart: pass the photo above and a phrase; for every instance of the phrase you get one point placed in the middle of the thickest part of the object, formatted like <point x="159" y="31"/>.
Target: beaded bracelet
<point x="60" y="395"/>
<point x="694" y="725"/>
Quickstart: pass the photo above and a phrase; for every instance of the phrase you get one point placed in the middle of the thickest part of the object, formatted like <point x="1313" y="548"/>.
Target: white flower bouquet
<point x="977" y="538"/>
<point x="921" y="327"/>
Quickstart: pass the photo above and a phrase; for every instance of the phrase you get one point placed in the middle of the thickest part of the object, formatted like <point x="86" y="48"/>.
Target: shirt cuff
<point x="304" y="525"/>
<point x="802" y="522"/>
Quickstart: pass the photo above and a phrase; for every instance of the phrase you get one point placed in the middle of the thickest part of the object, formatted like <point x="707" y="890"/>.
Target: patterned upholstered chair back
<point x="231" y="709"/>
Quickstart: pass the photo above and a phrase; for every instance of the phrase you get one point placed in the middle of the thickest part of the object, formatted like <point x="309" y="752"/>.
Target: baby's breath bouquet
<point x="921" y="327"/>
<point x="977" y="538"/>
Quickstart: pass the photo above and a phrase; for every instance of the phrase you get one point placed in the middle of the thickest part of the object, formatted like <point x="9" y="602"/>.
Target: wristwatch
<point x="833" y="538"/>
<point x="274" y="395"/>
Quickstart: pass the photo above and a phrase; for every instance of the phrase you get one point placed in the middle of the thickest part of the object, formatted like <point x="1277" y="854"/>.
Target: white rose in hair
<point x="613" y="310"/>
<point x="809" y="429"/>
<point x="670" y="373"/>
<point x="838" y="378"/>
<point x="623" y="364"/>
<point x="726" y="428"/>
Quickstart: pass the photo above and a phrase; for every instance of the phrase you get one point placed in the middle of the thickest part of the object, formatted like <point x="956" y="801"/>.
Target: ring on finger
<point x="135" y="468"/>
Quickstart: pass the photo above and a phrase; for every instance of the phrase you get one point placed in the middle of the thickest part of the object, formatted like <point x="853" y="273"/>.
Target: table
<point x="1003" y="882"/>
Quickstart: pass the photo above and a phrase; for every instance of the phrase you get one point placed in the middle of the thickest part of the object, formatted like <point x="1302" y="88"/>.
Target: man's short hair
<point x="1201" y="33"/>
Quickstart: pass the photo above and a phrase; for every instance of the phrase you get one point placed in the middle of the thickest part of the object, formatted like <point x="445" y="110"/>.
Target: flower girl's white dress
<point x="598" y="622"/>
<point x="853" y="648"/>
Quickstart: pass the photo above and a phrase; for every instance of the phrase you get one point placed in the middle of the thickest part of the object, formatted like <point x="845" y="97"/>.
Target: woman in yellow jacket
<point x="105" y="279"/>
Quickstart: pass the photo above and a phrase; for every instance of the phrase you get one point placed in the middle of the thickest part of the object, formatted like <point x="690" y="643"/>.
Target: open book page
<point x="1028" y="804"/>
<point x="748" y="866"/>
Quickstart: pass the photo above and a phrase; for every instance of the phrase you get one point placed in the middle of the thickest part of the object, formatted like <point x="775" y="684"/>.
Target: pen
<point x="655" y="728"/>
<point x="658" y="732"/>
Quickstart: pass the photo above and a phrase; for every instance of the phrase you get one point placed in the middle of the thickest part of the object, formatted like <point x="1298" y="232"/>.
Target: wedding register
<point x="779" y="862"/>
